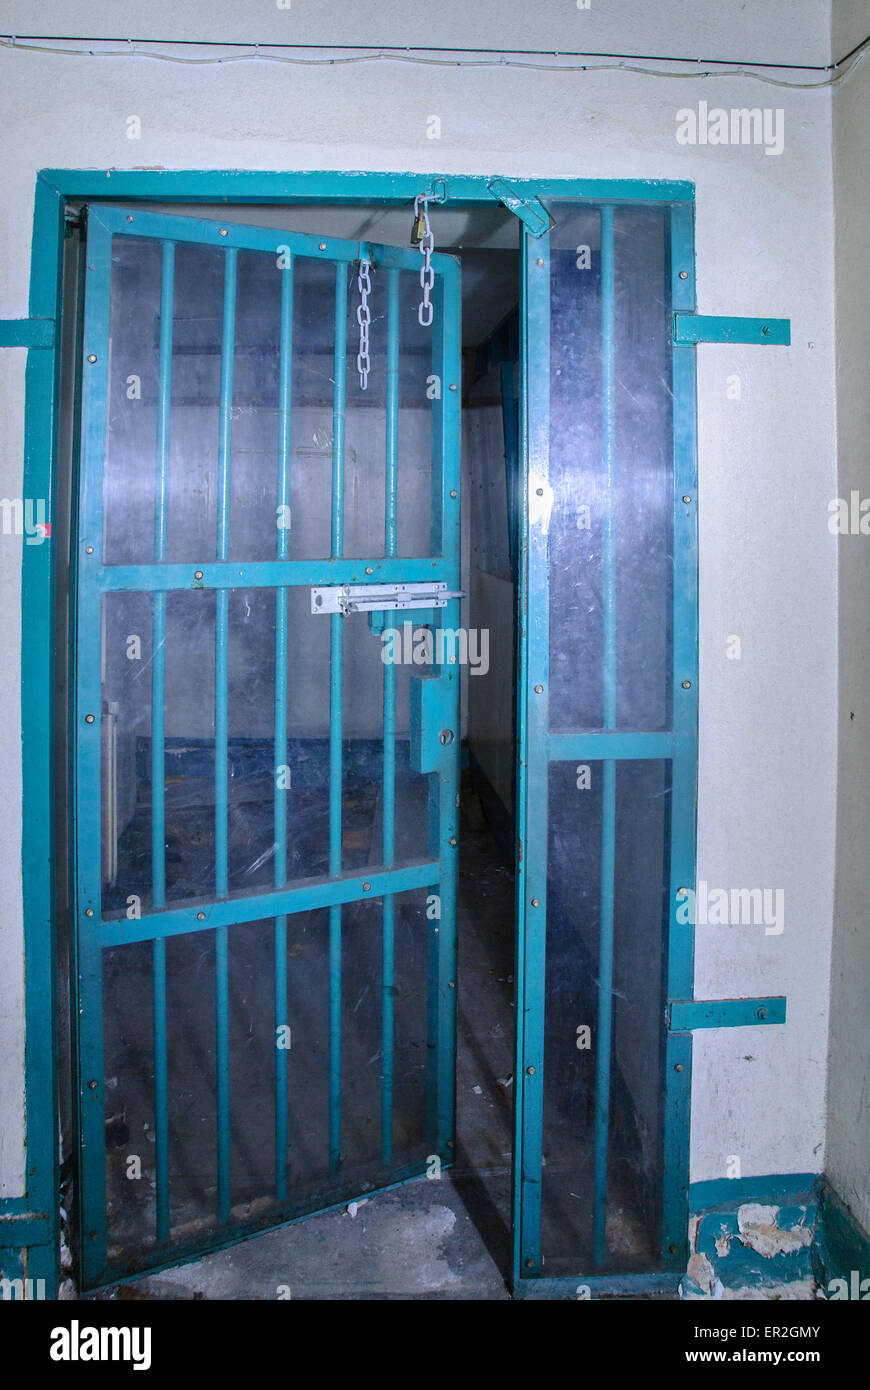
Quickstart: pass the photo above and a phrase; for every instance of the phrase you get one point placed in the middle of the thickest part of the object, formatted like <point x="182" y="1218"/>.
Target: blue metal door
<point x="265" y="801"/>
<point x="607" y="745"/>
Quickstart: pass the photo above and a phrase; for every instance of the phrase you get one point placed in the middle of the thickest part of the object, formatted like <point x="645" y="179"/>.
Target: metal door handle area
<point x="432" y="718"/>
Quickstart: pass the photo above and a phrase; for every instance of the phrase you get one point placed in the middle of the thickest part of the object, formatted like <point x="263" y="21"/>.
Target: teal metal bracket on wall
<point x="27" y="333"/>
<point x="685" y="1015"/>
<point x="718" y="328"/>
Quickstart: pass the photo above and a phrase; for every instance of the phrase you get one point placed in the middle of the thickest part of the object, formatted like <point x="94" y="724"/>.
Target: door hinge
<point x="529" y="210"/>
<point x="685" y="1015"/>
<point x="367" y="598"/>
<point x="718" y="328"/>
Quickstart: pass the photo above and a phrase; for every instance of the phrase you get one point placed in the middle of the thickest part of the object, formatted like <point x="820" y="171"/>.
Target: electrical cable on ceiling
<point x="702" y="67"/>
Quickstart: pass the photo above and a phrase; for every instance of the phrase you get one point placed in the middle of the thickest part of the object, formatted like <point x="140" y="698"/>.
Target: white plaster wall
<point x="850" y="21"/>
<point x="764" y="244"/>
<point x="848" y="1163"/>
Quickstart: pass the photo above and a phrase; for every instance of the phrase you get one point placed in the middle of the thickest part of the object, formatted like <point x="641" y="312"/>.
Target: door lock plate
<point x="366" y="598"/>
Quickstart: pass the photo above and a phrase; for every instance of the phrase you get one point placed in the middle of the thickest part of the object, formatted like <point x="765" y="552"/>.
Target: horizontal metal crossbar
<point x="308" y="894"/>
<point x="199" y="231"/>
<point x="609" y="743"/>
<point x="259" y="574"/>
<point x="227" y="186"/>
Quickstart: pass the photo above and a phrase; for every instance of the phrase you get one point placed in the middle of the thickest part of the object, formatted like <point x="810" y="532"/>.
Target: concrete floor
<point x="446" y="1238"/>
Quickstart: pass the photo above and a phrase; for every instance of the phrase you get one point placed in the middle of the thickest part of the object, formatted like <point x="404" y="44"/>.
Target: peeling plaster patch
<point x="700" y="1281"/>
<point x="793" y="1290"/>
<point x="701" y="1272"/>
<point x="752" y="1251"/>
<point x="759" y="1229"/>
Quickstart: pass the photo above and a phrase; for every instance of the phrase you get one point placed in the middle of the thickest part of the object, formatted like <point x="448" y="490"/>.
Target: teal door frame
<point x="29" y="1224"/>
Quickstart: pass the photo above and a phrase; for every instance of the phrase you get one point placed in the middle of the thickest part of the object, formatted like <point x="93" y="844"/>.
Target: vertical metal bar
<point x="605" y="1007"/>
<point x="608" y="825"/>
<point x="164" y="399"/>
<point x="389" y="726"/>
<point x="520" y="782"/>
<point x="281" y="783"/>
<point x="223" y="533"/>
<point x="392" y="429"/>
<point x="511" y="453"/>
<point x="223" y="1076"/>
<point x="339" y="400"/>
<point x="161" y="1089"/>
<point x="335" y="719"/>
<point x="335" y="796"/>
<point x="439" y="534"/>
<point x="533" y="668"/>
<point x="387" y="1024"/>
<point x="608" y="444"/>
<point x="88" y="698"/>
<point x="158" y="820"/>
<point x="221" y="734"/>
<point x="444" y="788"/>
<point x="158" y="731"/>
<point x="40" y="986"/>
<point x="684" y="765"/>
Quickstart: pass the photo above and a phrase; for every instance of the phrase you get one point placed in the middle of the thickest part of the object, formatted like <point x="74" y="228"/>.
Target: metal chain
<point x="363" y="318"/>
<point x="427" y="274"/>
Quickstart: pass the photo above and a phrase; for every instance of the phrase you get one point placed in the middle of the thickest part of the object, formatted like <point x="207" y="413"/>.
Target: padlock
<point x="418" y="231"/>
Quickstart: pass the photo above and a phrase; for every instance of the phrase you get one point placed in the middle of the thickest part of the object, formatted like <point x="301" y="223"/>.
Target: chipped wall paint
<point x="803" y="1245"/>
<point x="752" y="1251"/>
